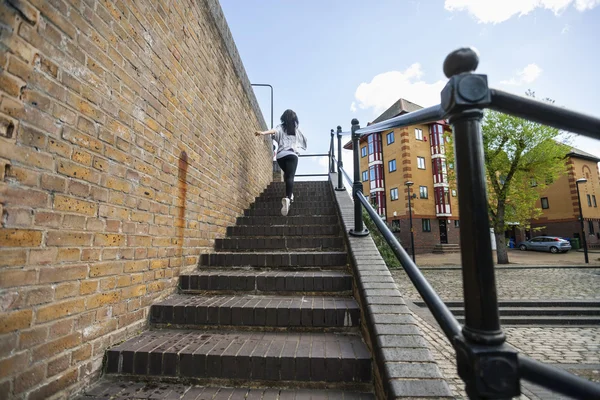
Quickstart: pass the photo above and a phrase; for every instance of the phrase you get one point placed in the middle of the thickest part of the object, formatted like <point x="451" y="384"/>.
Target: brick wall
<point x="126" y="148"/>
<point x="425" y="241"/>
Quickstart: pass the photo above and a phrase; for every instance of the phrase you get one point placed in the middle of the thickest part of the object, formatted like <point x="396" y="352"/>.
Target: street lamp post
<point x="585" y="250"/>
<point x="412" y="235"/>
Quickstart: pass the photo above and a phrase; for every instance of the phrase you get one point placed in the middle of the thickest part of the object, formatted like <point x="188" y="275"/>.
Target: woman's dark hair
<point x="289" y="122"/>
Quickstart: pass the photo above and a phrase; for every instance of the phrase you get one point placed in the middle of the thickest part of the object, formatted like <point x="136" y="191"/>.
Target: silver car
<point x="553" y="244"/>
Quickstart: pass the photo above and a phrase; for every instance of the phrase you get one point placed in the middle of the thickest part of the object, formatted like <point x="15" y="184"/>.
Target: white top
<point x="289" y="144"/>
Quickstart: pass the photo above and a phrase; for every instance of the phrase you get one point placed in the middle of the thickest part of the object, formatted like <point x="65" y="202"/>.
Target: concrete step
<point x="572" y="320"/>
<point x="531" y="303"/>
<point x="446" y="248"/>
<point x="284" y="231"/>
<point x="546" y="311"/>
<point x="539" y="312"/>
<point x="282" y="244"/>
<point x="293" y="211"/>
<point x="293" y="220"/>
<point x="258" y="356"/>
<point x="278" y="259"/>
<point x="125" y="389"/>
<point x="257" y="311"/>
<point x="257" y="281"/>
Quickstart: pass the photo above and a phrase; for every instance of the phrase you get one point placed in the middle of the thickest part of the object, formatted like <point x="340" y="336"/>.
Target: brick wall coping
<point x="403" y="364"/>
<point x="221" y="23"/>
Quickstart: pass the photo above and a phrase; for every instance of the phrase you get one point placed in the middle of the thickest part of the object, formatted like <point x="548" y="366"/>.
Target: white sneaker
<point x="285" y="206"/>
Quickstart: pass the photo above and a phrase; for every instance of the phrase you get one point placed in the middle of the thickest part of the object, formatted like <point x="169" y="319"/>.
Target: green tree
<point x="522" y="158"/>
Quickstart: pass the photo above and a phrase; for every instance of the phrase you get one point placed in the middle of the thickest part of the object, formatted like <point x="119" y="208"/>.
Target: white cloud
<point x="565" y="29"/>
<point x="386" y="88"/>
<point x="353" y="107"/>
<point x="527" y="75"/>
<point x="496" y="11"/>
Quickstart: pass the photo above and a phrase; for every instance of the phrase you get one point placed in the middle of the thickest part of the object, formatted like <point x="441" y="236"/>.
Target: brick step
<point x="293" y="211"/>
<point x="274" y="203"/>
<point x="125" y="389"/>
<point x="300" y="185"/>
<point x="264" y="259"/>
<point x="280" y="244"/>
<point x="299" y="195"/>
<point x="257" y="311"/>
<point x="261" y="357"/>
<point x="265" y="281"/>
<point x="281" y="221"/>
<point x="283" y="231"/>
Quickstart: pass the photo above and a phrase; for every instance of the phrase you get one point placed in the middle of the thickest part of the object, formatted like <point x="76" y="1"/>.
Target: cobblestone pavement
<point x="516" y="258"/>
<point x="576" y="349"/>
<point x="514" y="284"/>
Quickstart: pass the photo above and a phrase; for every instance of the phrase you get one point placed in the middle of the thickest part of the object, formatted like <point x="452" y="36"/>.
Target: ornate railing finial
<point x="465" y="59"/>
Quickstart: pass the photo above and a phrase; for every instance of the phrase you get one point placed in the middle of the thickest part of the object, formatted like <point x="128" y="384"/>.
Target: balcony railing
<point x="490" y="368"/>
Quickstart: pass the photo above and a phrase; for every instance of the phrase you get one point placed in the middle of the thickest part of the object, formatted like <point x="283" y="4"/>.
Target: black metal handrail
<point x="530" y="369"/>
<point x="488" y="366"/>
<point x="440" y="311"/>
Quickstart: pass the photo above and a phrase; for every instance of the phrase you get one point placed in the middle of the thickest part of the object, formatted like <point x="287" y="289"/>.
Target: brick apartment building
<point x="390" y="158"/>
<point x="559" y="202"/>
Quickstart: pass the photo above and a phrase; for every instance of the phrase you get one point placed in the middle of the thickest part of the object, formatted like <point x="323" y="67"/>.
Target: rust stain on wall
<point x="182" y="186"/>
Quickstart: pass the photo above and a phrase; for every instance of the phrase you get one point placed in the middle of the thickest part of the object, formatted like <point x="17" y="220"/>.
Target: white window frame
<point x="421" y="162"/>
<point x="418" y="134"/>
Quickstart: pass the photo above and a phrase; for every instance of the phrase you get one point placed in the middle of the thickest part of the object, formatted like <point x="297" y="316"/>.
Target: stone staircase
<point x="446" y="248"/>
<point x="539" y="312"/>
<point x="269" y="315"/>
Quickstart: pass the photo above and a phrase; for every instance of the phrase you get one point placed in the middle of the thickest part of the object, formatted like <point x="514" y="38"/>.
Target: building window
<point x="594" y="200"/>
<point x="591" y="227"/>
<point x="365" y="176"/>
<point x="451" y="165"/>
<point x="533" y="183"/>
<point x="421" y="162"/>
<point x="390" y="137"/>
<point x="395" y="225"/>
<point x="589" y="200"/>
<point x="545" y="204"/>
<point x="392" y="165"/>
<point x="418" y="134"/>
<point x="363" y="151"/>
<point x="456" y="223"/>
<point x="394" y="194"/>
<point x="426" y="225"/>
<point x="453" y="192"/>
<point x="372" y="173"/>
<point x="423" y="192"/>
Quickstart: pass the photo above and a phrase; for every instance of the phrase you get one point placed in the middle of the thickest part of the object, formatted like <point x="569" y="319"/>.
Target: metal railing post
<point x="488" y="367"/>
<point x="357" y="186"/>
<point x="331" y="154"/>
<point x="340" y="186"/>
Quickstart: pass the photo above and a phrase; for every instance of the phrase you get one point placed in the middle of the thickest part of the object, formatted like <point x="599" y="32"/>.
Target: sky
<point x="334" y="60"/>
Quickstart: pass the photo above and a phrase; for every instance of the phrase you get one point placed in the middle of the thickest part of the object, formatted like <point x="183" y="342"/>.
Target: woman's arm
<point x="269" y="132"/>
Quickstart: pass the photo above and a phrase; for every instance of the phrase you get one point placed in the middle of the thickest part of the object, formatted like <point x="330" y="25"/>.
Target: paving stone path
<point x="576" y="349"/>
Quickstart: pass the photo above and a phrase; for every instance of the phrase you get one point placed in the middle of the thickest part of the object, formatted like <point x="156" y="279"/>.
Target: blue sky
<point x="335" y="60"/>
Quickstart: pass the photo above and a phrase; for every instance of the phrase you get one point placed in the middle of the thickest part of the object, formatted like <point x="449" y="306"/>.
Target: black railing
<point x="489" y="367"/>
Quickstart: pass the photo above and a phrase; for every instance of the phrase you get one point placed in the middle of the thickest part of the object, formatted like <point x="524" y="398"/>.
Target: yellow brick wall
<point x="126" y="148"/>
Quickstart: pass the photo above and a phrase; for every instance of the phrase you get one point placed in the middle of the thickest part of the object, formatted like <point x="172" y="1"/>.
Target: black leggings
<point x="288" y="164"/>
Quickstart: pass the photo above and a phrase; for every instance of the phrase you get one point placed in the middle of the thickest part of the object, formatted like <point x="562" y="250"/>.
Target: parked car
<point x="553" y="244"/>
